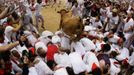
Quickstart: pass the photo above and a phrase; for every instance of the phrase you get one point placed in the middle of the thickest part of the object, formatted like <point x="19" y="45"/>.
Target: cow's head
<point x="63" y="11"/>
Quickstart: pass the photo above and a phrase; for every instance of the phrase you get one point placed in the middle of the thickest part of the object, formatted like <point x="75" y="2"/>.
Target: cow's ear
<point x="58" y="11"/>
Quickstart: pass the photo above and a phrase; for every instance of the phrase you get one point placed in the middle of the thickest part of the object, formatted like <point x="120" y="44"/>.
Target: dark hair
<point x="2" y="29"/>
<point x="113" y="54"/>
<point x="106" y="47"/>
<point x="39" y="1"/>
<point x="97" y="71"/>
<point x="15" y="53"/>
<point x="105" y="69"/>
<point x="25" y="53"/>
<point x="120" y="34"/>
<point x="70" y="71"/>
<point x="31" y="56"/>
<point x="15" y="15"/>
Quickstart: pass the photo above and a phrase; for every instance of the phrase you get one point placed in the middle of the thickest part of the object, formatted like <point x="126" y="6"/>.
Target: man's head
<point x="15" y="55"/>
<point x="114" y="12"/>
<point x="41" y="52"/>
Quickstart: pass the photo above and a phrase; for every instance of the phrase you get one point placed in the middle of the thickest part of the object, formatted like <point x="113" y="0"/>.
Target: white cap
<point x="47" y="33"/>
<point x="40" y="45"/>
<point x="56" y="39"/>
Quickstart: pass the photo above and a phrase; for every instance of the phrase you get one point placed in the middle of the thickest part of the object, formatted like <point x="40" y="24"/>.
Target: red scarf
<point x="128" y="19"/>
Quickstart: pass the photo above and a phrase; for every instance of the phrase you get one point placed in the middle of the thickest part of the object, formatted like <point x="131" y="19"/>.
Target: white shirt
<point x="90" y="59"/>
<point x="114" y="39"/>
<point x="96" y="24"/>
<point x="114" y="68"/>
<point x="5" y="41"/>
<point x="88" y="44"/>
<point x="28" y="10"/>
<point x="32" y="71"/>
<point x="15" y="67"/>
<point x="30" y="37"/>
<point x="78" y="47"/>
<point x="37" y="7"/>
<point x="42" y="68"/>
<point x="76" y="10"/>
<point x="77" y="64"/>
<point x="131" y="59"/>
<point x="124" y="53"/>
<point x="128" y="24"/>
<point x="62" y="59"/>
<point x="65" y="42"/>
<point x="45" y="40"/>
<point x="8" y="32"/>
<point x="61" y="71"/>
<point x="98" y="45"/>
<point x="113" y="20"/>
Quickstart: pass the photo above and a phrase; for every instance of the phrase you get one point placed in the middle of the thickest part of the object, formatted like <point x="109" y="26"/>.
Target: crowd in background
<point x="105" y="47"/>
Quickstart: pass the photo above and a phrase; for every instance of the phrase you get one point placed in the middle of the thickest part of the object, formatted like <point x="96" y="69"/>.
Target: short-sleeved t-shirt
<point x="8" y="32"/>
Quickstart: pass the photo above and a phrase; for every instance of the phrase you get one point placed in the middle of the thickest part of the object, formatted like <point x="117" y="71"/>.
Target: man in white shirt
<point x="88" y="44"/>
<point x="113" y="19"/>
<point x="77" y="63"/>
<point x="78" y="47"/>
<point x="40" y="65"/>
<point x="65" y="41"/>
<point x="37" y="6"/>
<point x="62" y="58"/>
<point x="31" y="38"/>
<point x="129" y="23"/>
<point x="59" y="70"/>
<point x="76" y="10"/>
<point x="91" y="61"/>
<point x="9" y="30"/>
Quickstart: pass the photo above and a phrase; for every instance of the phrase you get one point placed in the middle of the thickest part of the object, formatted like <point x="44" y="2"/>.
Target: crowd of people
<point x="105" y="47"/>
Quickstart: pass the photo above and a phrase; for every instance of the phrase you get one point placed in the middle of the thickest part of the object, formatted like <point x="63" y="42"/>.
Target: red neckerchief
<point x="128" y="19"/>
<point x="14" y="61"/>
<point x="94" y="66"/>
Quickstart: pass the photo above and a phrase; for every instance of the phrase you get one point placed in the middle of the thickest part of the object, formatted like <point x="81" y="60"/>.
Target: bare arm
<point x="9" y="46"/>
<point x="3" y="14"/>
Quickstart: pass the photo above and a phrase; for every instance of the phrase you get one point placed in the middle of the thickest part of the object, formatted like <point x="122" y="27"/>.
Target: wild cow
<point x="70" y="25"/>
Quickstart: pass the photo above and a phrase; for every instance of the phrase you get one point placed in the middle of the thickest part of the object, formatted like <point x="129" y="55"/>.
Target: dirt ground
<point x="51" y="17"/>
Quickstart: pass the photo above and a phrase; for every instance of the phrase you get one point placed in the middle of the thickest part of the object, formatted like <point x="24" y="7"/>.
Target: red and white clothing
<point x="91" y="61"/>
<point x="114" y="67"/>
